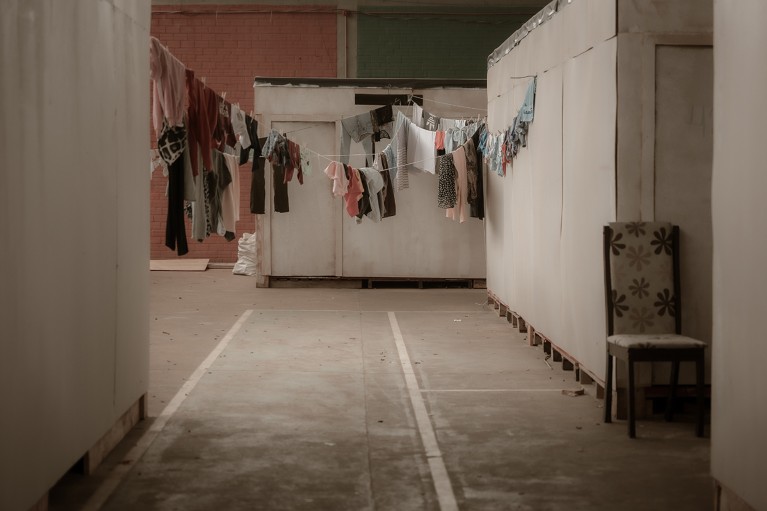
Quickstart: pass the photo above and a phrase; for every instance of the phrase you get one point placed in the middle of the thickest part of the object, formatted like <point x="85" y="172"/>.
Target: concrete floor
<point x="307" y="406"/>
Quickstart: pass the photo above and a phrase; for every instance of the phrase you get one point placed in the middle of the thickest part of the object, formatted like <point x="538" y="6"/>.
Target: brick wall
<point x="440" y="45"/>
<point x="230" y="45"/>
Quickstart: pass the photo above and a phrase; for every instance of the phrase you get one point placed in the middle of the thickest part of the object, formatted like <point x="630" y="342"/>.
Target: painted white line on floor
<point x="358" y="310"/>
<point x="491" y="390"/>
<point x="113" y="480"/>
<point x="439" y="475"/>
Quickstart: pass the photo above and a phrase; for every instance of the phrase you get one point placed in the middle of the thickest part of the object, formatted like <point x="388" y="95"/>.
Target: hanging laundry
<point x="230" y="197"/>
<point x="200" y="206"/>
<point x="257" y="181"/>
<point x="200" y="126"/>
<point x="335" y="171"/>
<point x="401" y="129"/>
<point x="439" y="140"/>
<point x="267" y="149"/>
<point x="446" y="196"/>
<point x="375" y="184"/>
<point x="355" y="191"/>
<point x="421" y="152"/>
<point x="223" y="134"/>
<point x="190" y="193"/>
<point x="240" y="127"/>
<point x="381" y="119"/>
<point x="471" y="169"/>
<point x="294" y="152"/>
<point x="456" y="137"/>
<point x="171" y="144"/>
<point x="389" y="204"/>
<point x="445" y="123"/>
<point x="439" y="145"/>
<point x="198" y="131"/>
<point x="461" y="187"/>
<point x="358" y="128"/>
<point x="213" y="196"/>
<point x="416" y="116"/>
<point x="476" y="196"/>
<point x="281" y="200"/>
<point x="363" y="206"/>
<point x="430" y="121"/>
<point x="306" y="161"/>
<point x="391" y="160"/>
<point x="169" y="78"/>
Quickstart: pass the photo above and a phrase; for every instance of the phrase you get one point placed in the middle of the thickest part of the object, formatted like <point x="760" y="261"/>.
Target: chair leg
<point x="609" y="389"/>
<point x="632" y="399"/>
<point x="672" y="393"/>
<point x="700" y="375"/>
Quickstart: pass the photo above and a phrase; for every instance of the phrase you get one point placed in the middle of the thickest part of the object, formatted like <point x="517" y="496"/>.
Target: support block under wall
<point x="521" y="325"/>
<point x="726" y="500"/>
<point x="121" y="427"/>
<point x="584" y="378"/>
<point x="600" y="391"/>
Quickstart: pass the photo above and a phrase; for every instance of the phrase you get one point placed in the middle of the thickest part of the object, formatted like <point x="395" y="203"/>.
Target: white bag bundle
<point x="246" y="255"/>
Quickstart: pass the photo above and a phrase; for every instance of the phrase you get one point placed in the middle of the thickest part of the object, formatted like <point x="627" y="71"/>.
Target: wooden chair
<point x="644" y="316"/>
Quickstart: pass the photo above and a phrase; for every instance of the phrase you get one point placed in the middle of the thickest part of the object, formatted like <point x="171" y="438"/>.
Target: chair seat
<point x="657" y="341"/>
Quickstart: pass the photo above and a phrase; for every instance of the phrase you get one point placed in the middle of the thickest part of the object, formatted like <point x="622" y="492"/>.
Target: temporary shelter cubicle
<point x="622" y="131"/>
<point x="316" y="238"/>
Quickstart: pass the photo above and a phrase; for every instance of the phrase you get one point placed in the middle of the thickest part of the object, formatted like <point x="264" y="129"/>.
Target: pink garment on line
<point x="168" y="75"/>
<point x="355" y="192"/>
<point x="335" y="171"/>
<point x="461" y="186"/>
<point x="439" y="140"/>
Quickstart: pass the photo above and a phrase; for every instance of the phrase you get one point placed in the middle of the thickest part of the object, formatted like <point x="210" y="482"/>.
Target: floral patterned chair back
<point x="642" y="279"/>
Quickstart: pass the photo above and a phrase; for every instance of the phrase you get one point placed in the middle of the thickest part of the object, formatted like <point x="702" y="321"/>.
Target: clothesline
<point x="389" y="165"/>
<point x="409" y="104"/>
<point x="331" y="157"/>
<point x="413" y="164"/>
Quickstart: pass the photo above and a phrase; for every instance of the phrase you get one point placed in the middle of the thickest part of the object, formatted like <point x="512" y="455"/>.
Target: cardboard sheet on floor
<point x="178" y="264"/>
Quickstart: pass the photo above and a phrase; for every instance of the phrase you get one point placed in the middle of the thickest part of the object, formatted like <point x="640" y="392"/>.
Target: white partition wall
<point x="598" y="151"/>
<point x="316" y="238"/>
<point x="739" y="411"/>
<point x="545" y="260"/>
<point x="74" y="193"/>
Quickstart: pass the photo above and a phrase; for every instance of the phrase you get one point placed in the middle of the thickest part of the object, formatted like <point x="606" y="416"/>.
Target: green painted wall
<point x="402" y="45"/>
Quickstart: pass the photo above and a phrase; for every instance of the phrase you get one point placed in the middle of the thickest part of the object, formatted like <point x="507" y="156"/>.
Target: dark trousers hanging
<point x="258" y="187"/>
<point x="175" y="229"/>
<point x="281" y="204"/>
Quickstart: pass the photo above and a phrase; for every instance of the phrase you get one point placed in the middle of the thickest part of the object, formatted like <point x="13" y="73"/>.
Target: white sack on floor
<point x="246" y="255"/>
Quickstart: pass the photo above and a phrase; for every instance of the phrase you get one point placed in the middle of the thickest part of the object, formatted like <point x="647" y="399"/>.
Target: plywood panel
<point x="739" y="413"/>
<point x="303" y="240"/>
<point x="418" y="242"/>
<point x="546" y="194"/>
<point x="178" y="264"/>
<point x="683" y="158"/>
<point x="74" y="127"/>
<point x="665" y="16"/>
<point x="588" y="184"/>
